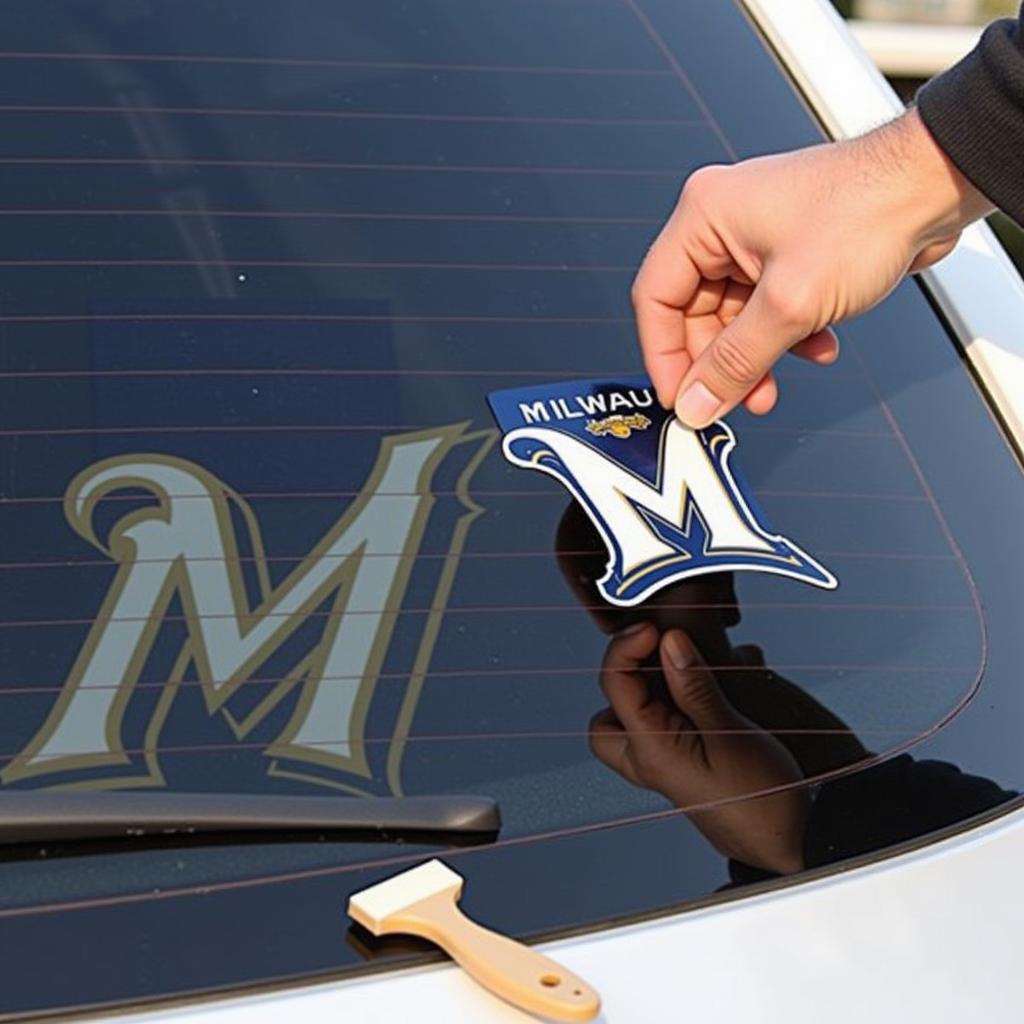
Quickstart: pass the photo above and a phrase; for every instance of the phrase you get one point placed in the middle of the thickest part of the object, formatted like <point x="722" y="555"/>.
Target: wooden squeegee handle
<point x="523" y="976"/>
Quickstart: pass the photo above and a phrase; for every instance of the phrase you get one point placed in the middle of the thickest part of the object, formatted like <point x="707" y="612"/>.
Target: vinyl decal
<point x="666" y="499"/>
<point x="290" y="661"/>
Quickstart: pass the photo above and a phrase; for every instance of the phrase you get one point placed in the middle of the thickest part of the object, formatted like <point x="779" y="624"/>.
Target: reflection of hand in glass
<point x="720" y="745"/>
<point x="697" y="750"/>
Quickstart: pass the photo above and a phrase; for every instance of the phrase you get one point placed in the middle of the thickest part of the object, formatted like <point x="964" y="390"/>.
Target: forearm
<point x="926" y="190"/>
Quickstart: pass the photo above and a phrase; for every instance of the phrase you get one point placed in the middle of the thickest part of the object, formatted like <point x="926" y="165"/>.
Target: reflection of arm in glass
<point x="890" y="803"/>
<point x="735" y="745"/>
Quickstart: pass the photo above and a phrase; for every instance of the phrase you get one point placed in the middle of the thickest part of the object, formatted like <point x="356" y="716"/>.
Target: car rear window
<point x="260" y="266"/>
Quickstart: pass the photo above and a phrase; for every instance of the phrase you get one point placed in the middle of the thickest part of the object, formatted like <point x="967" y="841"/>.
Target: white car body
<point x="927" y="934"/>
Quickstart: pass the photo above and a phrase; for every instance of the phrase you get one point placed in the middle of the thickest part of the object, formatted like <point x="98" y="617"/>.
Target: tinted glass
<point x="261" y="265"/>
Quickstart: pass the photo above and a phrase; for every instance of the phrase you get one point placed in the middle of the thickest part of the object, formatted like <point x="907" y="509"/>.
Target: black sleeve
<point x="892" y="802"/>
<point x="975" y="111"/>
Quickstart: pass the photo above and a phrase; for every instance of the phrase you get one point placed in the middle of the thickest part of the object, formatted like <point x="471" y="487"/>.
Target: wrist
<point x="927" y="192"/>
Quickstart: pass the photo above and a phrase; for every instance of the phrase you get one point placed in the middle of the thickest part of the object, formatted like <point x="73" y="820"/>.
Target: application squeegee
<point x="423" y="902"/>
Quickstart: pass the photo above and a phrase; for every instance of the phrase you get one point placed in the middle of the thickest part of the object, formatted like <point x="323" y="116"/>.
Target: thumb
<point x="741" y="354"/>
<point x="693" y="687"/>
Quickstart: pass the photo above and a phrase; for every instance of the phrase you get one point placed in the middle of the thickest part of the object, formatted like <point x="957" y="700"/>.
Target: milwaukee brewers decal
<point x="664" y="498"/>
<point x="306" y="651"/>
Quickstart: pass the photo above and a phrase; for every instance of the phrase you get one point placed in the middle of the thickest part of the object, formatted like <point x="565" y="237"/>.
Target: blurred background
<point x="946" y="12"/>
<point x="912" y="40"/>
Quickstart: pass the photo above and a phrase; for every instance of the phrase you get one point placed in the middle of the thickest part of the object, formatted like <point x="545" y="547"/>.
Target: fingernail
<point x="697" y="406"/>
<point x="678" y="652"/>
<point x="632" y="628"/>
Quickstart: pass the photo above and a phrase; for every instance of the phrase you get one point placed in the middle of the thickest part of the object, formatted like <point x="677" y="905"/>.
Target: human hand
<point x="699" y="752"/>
<point x="760" y="257"/>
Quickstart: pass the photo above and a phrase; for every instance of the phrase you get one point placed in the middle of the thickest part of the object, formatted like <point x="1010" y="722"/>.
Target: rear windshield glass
<point x="260" y="266"/>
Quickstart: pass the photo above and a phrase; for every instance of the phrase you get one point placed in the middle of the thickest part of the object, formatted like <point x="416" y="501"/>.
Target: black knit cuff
<point x="975" y="111"/>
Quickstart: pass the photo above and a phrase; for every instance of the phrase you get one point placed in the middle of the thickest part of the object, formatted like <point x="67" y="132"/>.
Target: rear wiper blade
<point x="45" y="815"/>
